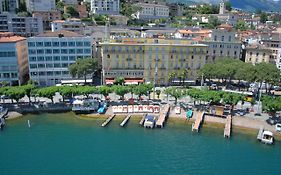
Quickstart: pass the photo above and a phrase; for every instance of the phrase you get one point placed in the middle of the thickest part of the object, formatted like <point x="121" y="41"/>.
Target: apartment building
<point x="40" y="5"/>
<point x="47" y="17"/>
<point x="51" y="53"/>
<point x="70" y="24"/>
<point x="108" y="7"/>
<point x="152" y="11"/>
<point x="23" y="26"/>
<point x="258" y="54"/>
<point x="223" y="43"/>
<point x="13" y="59"/>
<point x="150" y="60"/>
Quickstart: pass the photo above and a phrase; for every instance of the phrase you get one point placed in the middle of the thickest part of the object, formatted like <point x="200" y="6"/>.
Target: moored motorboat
<point x="85" y="106"/>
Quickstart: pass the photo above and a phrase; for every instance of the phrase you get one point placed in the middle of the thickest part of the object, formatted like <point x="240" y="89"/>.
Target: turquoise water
<point x="65" y="144"/>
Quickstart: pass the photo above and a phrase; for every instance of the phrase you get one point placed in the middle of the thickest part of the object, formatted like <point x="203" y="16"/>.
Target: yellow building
<point x="148" y="60"/>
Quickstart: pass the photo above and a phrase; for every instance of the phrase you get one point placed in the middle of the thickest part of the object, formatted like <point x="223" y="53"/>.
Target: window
<point x="71" y="58"/>
<point x="47" y="44"/>
<point x="63" y="44"/>
<point x="39" y="44"/>
<point x="31" y="44"/>
<point x="49" y="65"/>
<point x="79" y="51"/>
<point x="79" y="44"/>
<point x="31" y="51"/>
<point x="64" y="65"/>
<point x="48" y="58"/>
<point x="56" y="58"/>
<point x="33" y="66"/>
<point x="87" y="43"/>
<point x="229" y="38"/>
<point x="56" y="65"/>
<point x="49" y="73"/>
<point x="42" y="73"/>
<point x="32" y="59"/>
<point x="40" y="51"/>
<point x="71" y="51"/>
<point x="87" y="50"/>
<point x="41" y="59"/>
<point x="65" y="72"/>
<point x="64" y="51"/>
<point x="56" y="44"/>
<point x="222" y="38"/>
<point x="48" y="51"/>
<point x="71" y="44"/>
<point x="56" y="51"/>
<point x="215" y="38"/>
<point x="64" y="58"/>
<point x="41" y="65"/>
<point x="57" y="73"/>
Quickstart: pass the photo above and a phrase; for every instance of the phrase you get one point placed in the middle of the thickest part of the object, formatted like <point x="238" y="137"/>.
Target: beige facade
<point x="151" y="60"/>
<point x="257" y="54"/>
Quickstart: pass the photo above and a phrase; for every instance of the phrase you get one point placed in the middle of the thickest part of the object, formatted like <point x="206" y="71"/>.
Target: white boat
<point x="149" y="121"/>
<point x="278" y="127"/>
<point x="267" y="137"/>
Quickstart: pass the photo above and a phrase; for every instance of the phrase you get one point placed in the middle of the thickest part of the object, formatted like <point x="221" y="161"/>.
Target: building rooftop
<point x="61" y="33"/>
<point x="9" y="37"/>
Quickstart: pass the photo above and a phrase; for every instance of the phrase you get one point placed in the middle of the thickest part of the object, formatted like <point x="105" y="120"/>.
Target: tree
<point x="83" y="67"/>
<point x="119" y="81"/>
<point x="128" y="9"/>
<point x="241" y="25"/>
<point x="66" y="92"/>
<point x="28" y="90"/>
<point x="263" y="17"/>
<point x="213" y="22"/>
<point x="140" y="90"/>
<point x="72" y="11"/>
<point x="15" y="92"/>
<point x="175" y="92"/>
<point x="48" y="92"/>
<point x="182" y="74"/>
<point x="228" y="6"/>
<point x="104" y="90"/>
<point x="121" y="90"/>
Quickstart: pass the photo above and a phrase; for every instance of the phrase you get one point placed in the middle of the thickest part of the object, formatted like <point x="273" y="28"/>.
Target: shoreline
<point x="239" y="124"/>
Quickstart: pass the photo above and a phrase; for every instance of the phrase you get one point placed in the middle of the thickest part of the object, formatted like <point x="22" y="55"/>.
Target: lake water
<point x="65" y="144"/>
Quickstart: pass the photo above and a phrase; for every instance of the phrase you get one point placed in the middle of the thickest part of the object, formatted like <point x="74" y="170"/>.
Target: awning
<point x="128" y="81"/>
<point x="109" y="81"/>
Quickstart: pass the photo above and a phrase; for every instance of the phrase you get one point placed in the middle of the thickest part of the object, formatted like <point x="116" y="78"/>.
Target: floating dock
<point x="227" y="129"/>
<point x="142" y="119"/>
<point x="125" y="121"/>
<point x="198" y="121"/>
<point x="259" y="137"/>
<point x="163" y="115"/>
<point x="107" y="120"/>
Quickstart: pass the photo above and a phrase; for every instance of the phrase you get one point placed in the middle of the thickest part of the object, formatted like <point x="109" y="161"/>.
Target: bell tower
<point x="222" y="7"/>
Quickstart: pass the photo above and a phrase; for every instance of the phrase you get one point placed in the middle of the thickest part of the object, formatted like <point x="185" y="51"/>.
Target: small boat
<point x="149" y="121"/>
<point x="265" y="136"/>
<point x="102" y="109"/>
<point x="278" y="127"/>
<point x="85" y="106"/>
<point x="28" y="123"/>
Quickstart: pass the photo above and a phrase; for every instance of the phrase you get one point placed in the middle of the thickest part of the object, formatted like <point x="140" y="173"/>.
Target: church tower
<point x="222" y="7"/>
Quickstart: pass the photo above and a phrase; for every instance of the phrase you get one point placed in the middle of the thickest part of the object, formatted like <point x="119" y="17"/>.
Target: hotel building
<point x="50" y="55"/>
<point x="150" y="60"/>
<point x="13" y="59"/>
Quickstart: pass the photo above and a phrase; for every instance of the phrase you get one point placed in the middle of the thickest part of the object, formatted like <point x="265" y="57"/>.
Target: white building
<point x="109" y="7"/>
<point x="40" y="5"/>
<point x="278" y="60"/>
<point x="222" y="7"/>
<point x="152" y="11"/>
<point x="50" y="55"/>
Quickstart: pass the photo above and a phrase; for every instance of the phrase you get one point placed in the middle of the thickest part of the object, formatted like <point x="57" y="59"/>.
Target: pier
<point x="163" y="115"/>
<point x="198" y="121"/>
<point x="259" y="137"/>
<point x="107" y="120"/>
<point x="142" y="119"/>
<point x="125" y="121"/>
<point x="227" y="129"/>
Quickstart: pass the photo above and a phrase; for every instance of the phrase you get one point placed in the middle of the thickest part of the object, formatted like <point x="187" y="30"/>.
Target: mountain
<point x="248" y="5"/>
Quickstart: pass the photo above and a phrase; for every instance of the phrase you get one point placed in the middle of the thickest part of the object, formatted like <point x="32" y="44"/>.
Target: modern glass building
<point x="50" y="55"/>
